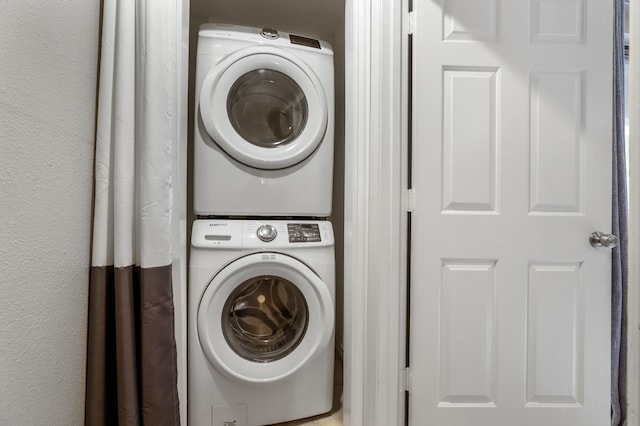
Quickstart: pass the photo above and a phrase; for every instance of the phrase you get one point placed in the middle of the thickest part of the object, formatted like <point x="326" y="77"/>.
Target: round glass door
<point x="263" y="317"/>
<point x="264" y="107"/>
<point x="267" y="108"/>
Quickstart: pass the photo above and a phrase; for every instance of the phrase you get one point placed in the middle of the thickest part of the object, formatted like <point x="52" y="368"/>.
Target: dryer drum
<point x="267" y="108"/>
<point x="265" y="318"/>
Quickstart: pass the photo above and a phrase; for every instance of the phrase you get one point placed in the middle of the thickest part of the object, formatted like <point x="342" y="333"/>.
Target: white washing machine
<point x="264" y="123"/>
<point x="261" y="321"/>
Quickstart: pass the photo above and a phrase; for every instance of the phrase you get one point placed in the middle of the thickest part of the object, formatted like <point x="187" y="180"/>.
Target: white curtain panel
<point x="137" y="134"/>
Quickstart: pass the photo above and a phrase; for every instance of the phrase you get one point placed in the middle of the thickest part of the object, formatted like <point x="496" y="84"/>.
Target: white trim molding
<point x="375" y="255"/>
<point x="356" y="212"/>
<point x="179" y="213"/>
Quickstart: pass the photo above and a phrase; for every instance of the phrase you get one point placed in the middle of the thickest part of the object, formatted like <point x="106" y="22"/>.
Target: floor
<point x="334" y="417"/>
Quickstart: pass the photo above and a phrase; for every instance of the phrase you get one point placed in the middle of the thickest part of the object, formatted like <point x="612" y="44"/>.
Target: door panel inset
<point x="557" y="129"/>
<point x="467" y="342"/>
<point x="559" y="21"/>
<point x="470" y="139"/>
<point x="555" y="334"/>
<point x="470" y="19"/>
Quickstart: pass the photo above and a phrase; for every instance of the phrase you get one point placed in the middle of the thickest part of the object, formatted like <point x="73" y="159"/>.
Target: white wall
<point x="48" y="63"/>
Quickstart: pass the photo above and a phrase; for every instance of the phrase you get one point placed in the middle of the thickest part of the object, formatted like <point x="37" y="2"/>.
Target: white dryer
<point x="264" y="123"/>
<point x="261" y="321"/>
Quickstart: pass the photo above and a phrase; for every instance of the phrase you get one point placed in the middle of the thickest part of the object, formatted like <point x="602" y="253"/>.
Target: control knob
<point x="267" y="233"/>
<point x="270" y="33"/>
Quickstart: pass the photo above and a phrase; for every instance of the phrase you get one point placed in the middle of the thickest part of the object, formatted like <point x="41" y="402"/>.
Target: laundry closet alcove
<point x="317" y="20"/>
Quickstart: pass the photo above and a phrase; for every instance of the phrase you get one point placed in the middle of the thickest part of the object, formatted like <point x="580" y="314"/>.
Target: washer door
<point x="263" y="317"/>
<point x="264" y="107"/>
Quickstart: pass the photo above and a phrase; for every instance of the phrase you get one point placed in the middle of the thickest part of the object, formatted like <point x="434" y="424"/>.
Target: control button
<point x="270" y="33"/>
<point x="267" y="233"/>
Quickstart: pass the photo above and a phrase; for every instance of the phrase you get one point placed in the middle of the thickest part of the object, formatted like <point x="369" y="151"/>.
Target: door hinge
<point x="408" y="200"/>
<point x="411" y="22"/>
<point x="405" y="379"/>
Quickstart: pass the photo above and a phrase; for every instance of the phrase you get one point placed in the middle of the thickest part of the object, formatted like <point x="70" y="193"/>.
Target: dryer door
<point x="264" y="316"/>
<point x="264" y="107"/>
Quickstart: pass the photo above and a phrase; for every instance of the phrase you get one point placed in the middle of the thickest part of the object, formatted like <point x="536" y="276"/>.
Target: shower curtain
<point x="131" y="349"/>
<point x="619" y="228"/>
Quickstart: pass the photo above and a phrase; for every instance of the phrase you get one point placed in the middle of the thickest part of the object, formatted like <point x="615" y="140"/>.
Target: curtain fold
<point x="619" y="228"/>
<point x="131" y="349"/>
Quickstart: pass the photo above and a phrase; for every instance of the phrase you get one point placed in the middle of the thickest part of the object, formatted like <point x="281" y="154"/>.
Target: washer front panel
<point x="275" y="88"/>
<point x="233" y="283"/>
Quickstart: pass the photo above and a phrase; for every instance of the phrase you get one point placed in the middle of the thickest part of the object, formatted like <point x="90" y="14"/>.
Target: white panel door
<point x="511" y="166"/>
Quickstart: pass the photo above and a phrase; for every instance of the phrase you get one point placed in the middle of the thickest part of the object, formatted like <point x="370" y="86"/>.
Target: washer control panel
<point x="238" y="234"/>
<point x="303" y="232"/>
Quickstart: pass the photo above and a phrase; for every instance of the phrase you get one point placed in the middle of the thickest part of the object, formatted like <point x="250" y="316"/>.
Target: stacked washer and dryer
<point x="262" y="262"/>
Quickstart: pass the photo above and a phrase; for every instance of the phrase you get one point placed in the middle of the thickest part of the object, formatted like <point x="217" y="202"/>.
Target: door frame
<point x="633" y="319"/>
<point x="375" y="225"/>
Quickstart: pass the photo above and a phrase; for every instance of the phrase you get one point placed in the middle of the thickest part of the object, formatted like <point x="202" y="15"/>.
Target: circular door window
<point x="264" y="107"/>
<point x="267" y="108"/>
<point x="263" y="317"/>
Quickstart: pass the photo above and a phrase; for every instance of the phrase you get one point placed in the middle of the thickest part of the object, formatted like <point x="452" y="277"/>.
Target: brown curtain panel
<point x="131" y="350"/>
<point x="131" y="366"/>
